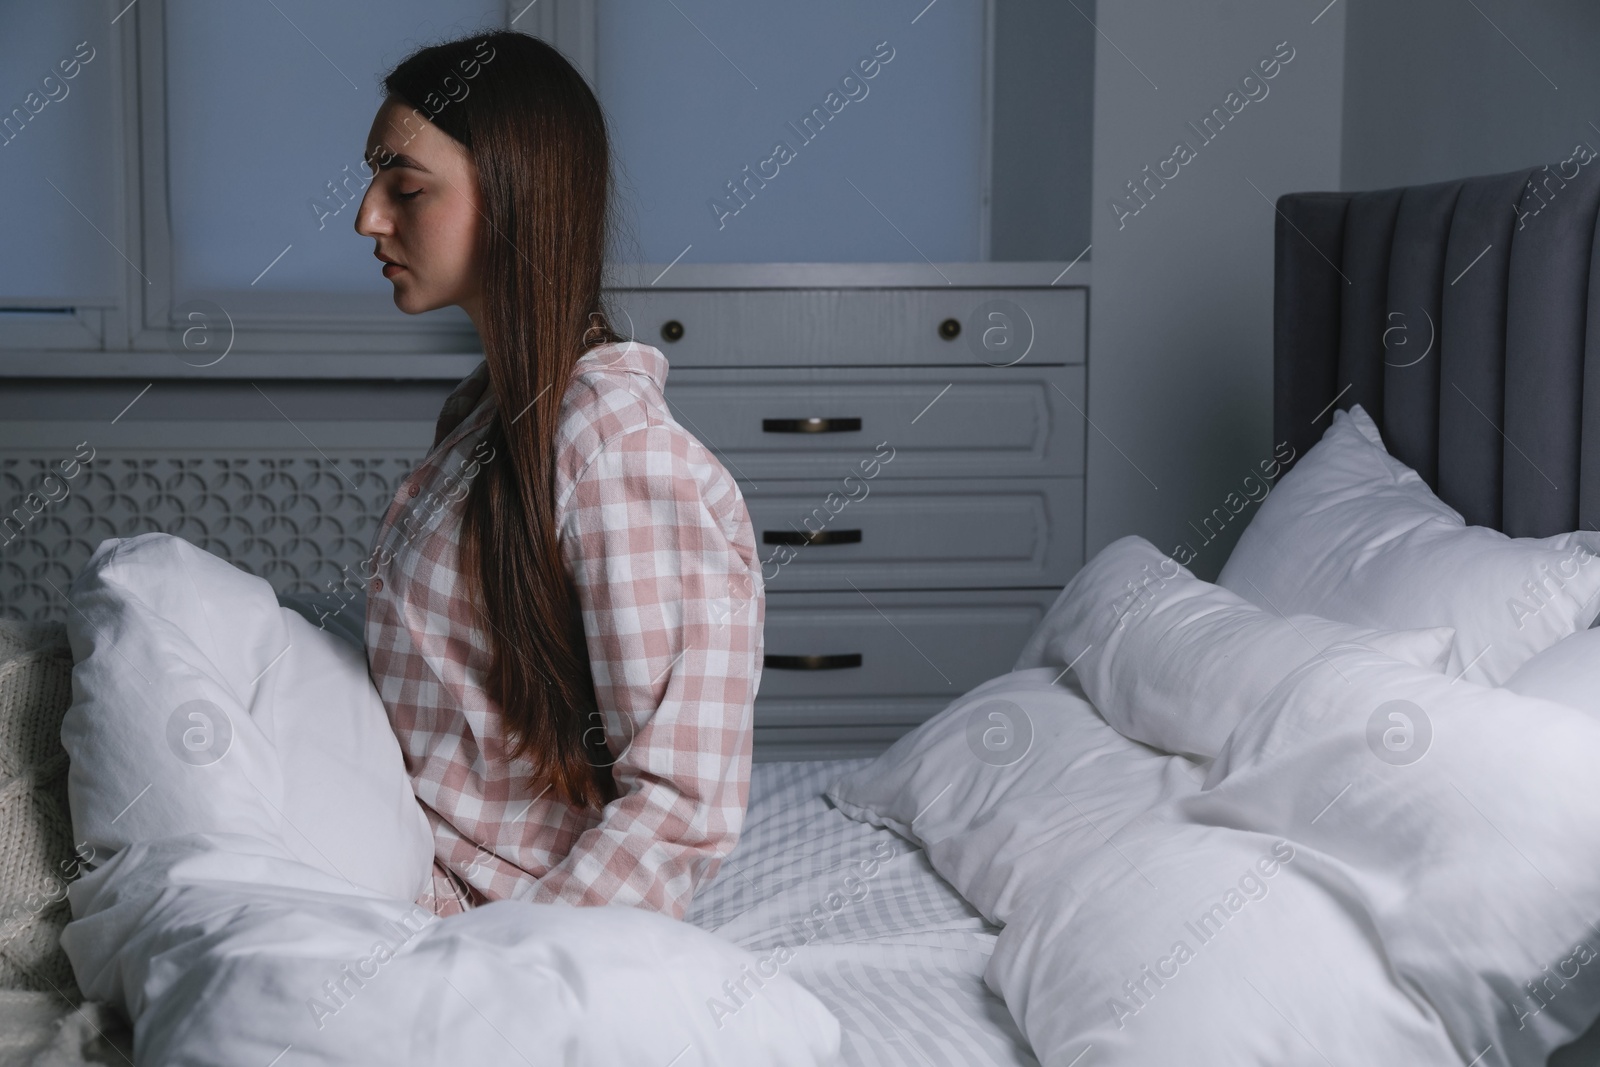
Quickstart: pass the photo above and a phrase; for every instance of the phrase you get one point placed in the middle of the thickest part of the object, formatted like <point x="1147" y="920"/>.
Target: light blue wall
<point x="1180" y="321"/>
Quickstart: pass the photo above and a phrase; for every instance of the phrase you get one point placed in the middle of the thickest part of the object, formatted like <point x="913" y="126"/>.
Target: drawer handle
<point x="811" y="425"/>
<point x="837" y="662"/>
<point x="811" y="537"/>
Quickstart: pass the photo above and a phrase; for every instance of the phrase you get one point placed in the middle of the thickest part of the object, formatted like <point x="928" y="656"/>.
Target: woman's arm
<point x="672" y="610"/>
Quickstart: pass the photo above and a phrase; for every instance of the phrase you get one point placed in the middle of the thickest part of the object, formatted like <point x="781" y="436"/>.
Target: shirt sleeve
<point x="672" y="611"/>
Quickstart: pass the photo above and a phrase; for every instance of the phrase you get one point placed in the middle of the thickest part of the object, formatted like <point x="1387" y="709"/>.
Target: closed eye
<point x="411" y="195"/>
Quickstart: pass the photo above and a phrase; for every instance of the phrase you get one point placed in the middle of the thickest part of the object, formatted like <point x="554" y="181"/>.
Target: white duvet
<point x="251" y="905"/>
<point x="1381" y="866"/>
<point x="1319" y="903"/>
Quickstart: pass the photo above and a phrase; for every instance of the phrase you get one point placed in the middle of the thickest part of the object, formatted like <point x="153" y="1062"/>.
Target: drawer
<point x="886" y="533"/>
<point x="983" y="422"/>
<point x="857" y="327"/>
<point x="841" y="648"/>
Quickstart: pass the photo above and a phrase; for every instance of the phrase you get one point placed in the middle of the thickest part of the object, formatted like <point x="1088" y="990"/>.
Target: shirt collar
<point x="625" y="357"/>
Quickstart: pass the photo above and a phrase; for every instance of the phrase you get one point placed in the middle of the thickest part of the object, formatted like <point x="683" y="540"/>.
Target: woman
<point x="565" y="607"/>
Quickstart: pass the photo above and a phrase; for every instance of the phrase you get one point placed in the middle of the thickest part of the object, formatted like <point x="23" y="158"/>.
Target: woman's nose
<point x="370" y="220"/>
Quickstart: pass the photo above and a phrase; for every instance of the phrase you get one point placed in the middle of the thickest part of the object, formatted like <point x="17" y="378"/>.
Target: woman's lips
<point x="391" y="269"/>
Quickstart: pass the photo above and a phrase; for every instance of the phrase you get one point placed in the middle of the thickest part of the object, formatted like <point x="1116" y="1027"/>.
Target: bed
<point x="1458" y="315"/>
<point x="1463" y="329"/>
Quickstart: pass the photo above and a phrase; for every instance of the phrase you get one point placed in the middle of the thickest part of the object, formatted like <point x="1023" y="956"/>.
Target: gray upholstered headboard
<point x="1465" y="318"/>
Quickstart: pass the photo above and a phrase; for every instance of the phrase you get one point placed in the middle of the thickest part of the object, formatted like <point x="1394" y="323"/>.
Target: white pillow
<point x="973" y="785"/>
<point x="188" y="666"/>
<point x="1353" y="534"/>
<point x="1567" y="672"/>
<point x="1176" y="662"/>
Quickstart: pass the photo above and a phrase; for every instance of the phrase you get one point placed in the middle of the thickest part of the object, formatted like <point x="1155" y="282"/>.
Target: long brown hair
<point x="538" y="138"/>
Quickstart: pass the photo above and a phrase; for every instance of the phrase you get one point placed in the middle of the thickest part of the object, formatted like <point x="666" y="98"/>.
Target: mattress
<point x="900" y="963"/>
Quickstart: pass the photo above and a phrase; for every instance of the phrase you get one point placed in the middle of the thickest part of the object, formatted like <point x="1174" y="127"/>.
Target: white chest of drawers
<point x="917" y="497"/>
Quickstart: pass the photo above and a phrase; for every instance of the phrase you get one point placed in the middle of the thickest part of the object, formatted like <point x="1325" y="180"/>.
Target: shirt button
<point x="413" y="490"/>
<point x="377" y="585"/>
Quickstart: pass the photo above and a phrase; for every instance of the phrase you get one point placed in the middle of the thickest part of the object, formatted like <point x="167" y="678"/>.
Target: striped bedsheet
<point x="896" y="954"/>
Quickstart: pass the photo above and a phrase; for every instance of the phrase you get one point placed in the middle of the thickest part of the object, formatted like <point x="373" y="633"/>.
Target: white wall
<point x="1435" y="90"/>
<point x="1180" y="334"/>
<point x="1043" y="129"/>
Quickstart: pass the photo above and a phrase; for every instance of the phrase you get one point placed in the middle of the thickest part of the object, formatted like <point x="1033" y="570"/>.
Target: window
<point x="264" y="171"/>
<point x="831" y="131"/>
<point x="184" y="169"/>
<point x="58" y="73"/>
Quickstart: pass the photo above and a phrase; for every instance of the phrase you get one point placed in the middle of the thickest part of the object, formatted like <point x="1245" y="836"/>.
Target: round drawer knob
<point x="672" y="330"/>
<point x="950" y="329"/>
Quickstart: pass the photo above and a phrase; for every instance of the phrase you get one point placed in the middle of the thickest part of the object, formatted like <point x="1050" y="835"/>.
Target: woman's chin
<point x="410" y="301"/>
